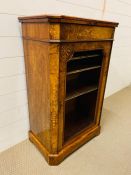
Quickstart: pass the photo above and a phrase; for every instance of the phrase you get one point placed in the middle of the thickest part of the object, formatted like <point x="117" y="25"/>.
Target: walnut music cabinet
<point x="66" y="60"/>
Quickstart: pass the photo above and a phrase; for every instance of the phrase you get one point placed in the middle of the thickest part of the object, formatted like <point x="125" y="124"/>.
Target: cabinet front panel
<point x="89" y="76"/>
<point x="37" y="74"/>
<point x="84" y="32"/>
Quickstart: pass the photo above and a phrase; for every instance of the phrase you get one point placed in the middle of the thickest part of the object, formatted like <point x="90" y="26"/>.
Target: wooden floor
<point x="107" y="154"/>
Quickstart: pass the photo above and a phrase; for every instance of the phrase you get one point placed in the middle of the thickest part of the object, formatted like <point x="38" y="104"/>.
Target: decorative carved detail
<point x="66" y="51"/>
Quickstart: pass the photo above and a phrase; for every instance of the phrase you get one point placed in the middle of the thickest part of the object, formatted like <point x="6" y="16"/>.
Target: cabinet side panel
<point x="36" y="31"/>
<point x="37" y="73"/>
<point x="41" y="31"/>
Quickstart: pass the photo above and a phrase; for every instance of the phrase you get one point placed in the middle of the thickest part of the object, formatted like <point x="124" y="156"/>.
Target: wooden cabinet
<point x="67" y="62"/>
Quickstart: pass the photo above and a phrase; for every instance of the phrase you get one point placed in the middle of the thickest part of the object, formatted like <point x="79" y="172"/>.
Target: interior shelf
<point x="84" y="69"/>
<point x="81" y="91"/>
<point x="77" y="65"/>
<point x="86" y="56"/>
<point x="81" y="83"/>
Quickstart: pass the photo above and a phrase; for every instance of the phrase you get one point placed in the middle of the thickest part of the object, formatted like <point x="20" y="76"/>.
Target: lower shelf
<point x="79" y="114"/>
<point x="81" y="91"/>
<point x="75" y="126"/>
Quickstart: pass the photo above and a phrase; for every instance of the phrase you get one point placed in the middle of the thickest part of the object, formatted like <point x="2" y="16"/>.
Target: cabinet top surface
<point x="66" y="19"/>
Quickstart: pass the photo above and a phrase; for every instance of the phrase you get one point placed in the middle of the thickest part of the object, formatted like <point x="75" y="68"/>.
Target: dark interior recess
<point x="79" y="114"/>
<point x="82" y="81"/>
<point x="83" y="64"/>
<point x="89" y="53"/>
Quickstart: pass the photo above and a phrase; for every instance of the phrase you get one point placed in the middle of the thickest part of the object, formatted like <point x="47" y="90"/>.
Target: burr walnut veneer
<point x="67" y="62"/>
